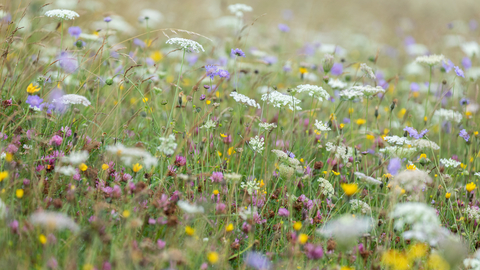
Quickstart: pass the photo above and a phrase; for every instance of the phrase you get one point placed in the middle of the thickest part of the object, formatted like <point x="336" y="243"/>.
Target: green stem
<point x="428" y="95"/>
<point x="176" y="92"/>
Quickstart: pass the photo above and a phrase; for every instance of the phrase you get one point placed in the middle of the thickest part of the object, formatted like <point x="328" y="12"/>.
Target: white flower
<point x="154" y="17"/>
<point x="448" y="115"/>
<point x="450" y="163"/>
<point x="167" y="145"/>
<point x="3" y="210"/>
<point x="473" y="264"/>
<point x="189" y="208"/>
<point x="54" y="220"/>
<point x="401" y="152"/>
<point x="346" y="229"/>
<point x="422" y="144"/>
<point x="350" y="94"/>
<point x="359" y="204"/>
<point x="3" y="155"/>
<point x="280" y="154"/>
<point x="185" y="44"/>
<point x="209" y="124"/>
<point x="367" y="90"/>
<point x="66" y="170"/>
<point x="248" y="213"/>
<point x="473" y="212"/>
<point x="73" y="99"/>
<point x="280" y="100"/>
<point x="64" y="14"/>
<point x="397" y="140"/>
<point x="244" y="100"/>
<point x="477" y="174"/>
<point x="412" y="180"/>
<point x="321" y="126"/>
<point x="267" y="126"/>
<point x="250" y="186"/>
<point x="232" y="176"/>
<point x="130" y="155"/>
<point x="471" y="48"/>
<point x="340" y="151"/>
<point x="326" y="187"/>
<point x="238" y="9"/>
<point x="313" y="91"/>
<point x="257" y="143"/>
<point x="368" y="70"/>
<point x="336" y="83"/>
<point x="76" y="157"/>
<point x="367" y="178"/>
<point x="430" y="60"/>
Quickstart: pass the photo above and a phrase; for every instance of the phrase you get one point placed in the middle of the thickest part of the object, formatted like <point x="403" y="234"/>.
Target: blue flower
<point x="211" y="71"/>
<point x="75" y="31"/>
<point x="464" y="134"/>
<point x="34" y="102"/>
<point x="447" y="65"/>
<point x="238" y="52"/>
<point x="284" y="28"/>
<point x="414" y="133"/>
<point x="394" y="165"/>
<point x="459" y="72"/>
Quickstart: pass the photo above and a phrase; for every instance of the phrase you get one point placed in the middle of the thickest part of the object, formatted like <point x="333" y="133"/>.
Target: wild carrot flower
<point x="186" y="44"/>
<point x="244" y="100"/>
<point x="430" y="60"/>
<point x="345" y="230"/>
<point x="313" y="91"/>
<point x="257" y="144"/>
<point x="321" y="126"/>
<point x="63" y="14"/>
<point x="53" y="220"/>
<point x="238" y="9"/>
<point x="167" y="145"/>
<point x="280" y="100"/>
<point x="189" y="208"/>
<point x="73" y="99"/>
<point x="76" y="158"/>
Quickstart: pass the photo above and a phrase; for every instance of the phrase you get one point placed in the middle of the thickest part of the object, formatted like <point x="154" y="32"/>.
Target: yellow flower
<point x="83" y="167"/>
<point x="350" y="110"/>
<point x="417" y="251"/>
<point x="361" y="121"/>
<point x="219" y="153"/>
<point x="137" y="167"/>
<point x="470" y="187"/>
<point x="43" y="239"/>
<point x="145" y="100"/>
<point x="387" y="175"/>
<point x="349" y="189"/>
<point x="423" y="156"/>
<point x="435" y="261"/>
<point x="335" y="173"/>
<point x="208" y="102"/>
<point x="411" y="167"/>
<point x="425" y="119"/>
<point x="448" y="195"/>
<point x="346" y="268"/>
<point x="189" y="230"/>
<point x="32" y="89"/>
<point x="223" y="135"/>
<point x="19" y="193"/>
<point x="126" y="213"/>
<point x="395" y="259"/>
<point x="9" y="157"/>
<point x="105" y="167"/>
<point x="156" y="56"/>
<point x="370" y="137"/>
<point x="402" y="113"/>
<point x="3" y="175"/>
<point x="215" y="192"/>
<point x="297" y="226"/>
<point x="303" y="70"/>
<point x="213" y="257"/>
<point x="464" y="166"/>
<point x="302" y="238"/>
<point x="342" y="125"/>
<point x="231" y="151"/>
<point x="229" y="227"/>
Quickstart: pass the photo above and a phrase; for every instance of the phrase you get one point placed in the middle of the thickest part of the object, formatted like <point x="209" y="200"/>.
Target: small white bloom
<point x="248" y="213"/>
<point x="326" y="188"/>
<point x="321" y="126"/>
<point x="267" y="126"/>
<point x="448" y="115"/>
<point x="64" y="14"/>
<point x="313" y="91"/>
<point x="167" y="145"/>
<point x="250" y="186"/>
<point x="368" y="70"/>
<point x="367" y="178"/>
<point x="66" y="170"/>
<point x="367" y="90"/>
<point x="346" y="229"/>
<point x="244" y="100"/>
<point x="54" y="220"/>
<point x="363" y="206"/>
<point x="3" y="210"/>
<point x="257" y="143"/>
<point x="471" y="48"/>
<point x="397" y="140"/>
<point x="423" y="144"/>
<point x="238" y="9"/>
<point x="130" y="155"/>
<point x="209" y="124"/>
<point x="450" y="163"/>
<point x="398" y="151"/>
<point x="350" y="94"/>
<point x="186" y="44"/>
<point x="73" y="99"/>
<point x="337" y="84"/>
<point x="232" y="176"/>
<point x="189" y="208"/>
<point x="280" y="100"/>
<point x="341" y="151"/>
<point x="430" y="60"/>
<point x="76" y="157"/>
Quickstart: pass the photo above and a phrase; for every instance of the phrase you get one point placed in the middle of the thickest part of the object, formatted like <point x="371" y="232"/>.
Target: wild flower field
<point x="138" y="146"/>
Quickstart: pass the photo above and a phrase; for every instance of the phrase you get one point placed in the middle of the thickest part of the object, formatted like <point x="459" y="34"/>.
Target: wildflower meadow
<point x="222" y="135"/>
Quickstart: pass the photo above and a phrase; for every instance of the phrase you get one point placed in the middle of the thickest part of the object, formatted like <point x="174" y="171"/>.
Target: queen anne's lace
<point x="280" y="100"/>
<point x="313" y="91"/>
<point x="73" y="99"/>
<point x="186" y="44"/>
<point x="430" y="60"/>
<point x="244" y="100"/>
<point x="448" y="115"/>
<point x="64" y="14"/>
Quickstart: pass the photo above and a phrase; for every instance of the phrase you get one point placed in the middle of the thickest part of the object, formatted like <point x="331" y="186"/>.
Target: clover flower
<point x="186" y="44"/>
<point x="63" y="14"/>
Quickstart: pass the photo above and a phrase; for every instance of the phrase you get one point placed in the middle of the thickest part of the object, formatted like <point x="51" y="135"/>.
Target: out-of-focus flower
<point x="346" y="229"/>
<point x="63" y="14"/>
<point x="54" y="220"/>
<point x="189" y="208"/>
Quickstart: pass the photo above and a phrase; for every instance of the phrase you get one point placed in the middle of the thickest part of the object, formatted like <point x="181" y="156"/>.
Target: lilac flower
<point x="238" y="52"/>
<point x="202" y="97"/>
<point x="107" y="19"/>
<point x="464" y="134"/>
<point x="394" y="165"/>
<point x="337" y="69"/>
<point x="290" y="154"/>
<point x="75" y="31"/>
<point x="68" y="62"/>
<point x="34" y="102"/>
<point x="414" y="87"/>
<point x="464" y="101"/>
<point x="466" y="62"/>
<point x="257" y="260"/>
<point x="56" y="140"/>
<point x="160" y="244"/>
<point x="313" y="252"/>
<point x="283" y="212"/>
<point x="217" y="177"/>
<point x="459" y="72"/>
<point x="284" y="28"/>
<point x="447" y="65"/>
<point x="223" y="73"/>
<point x="270" y="60"/>
<point x="211" y="71"/>
<point x="346" y="120"/>
<point x="409" y="40"/>
<point x="414" y="133"/>
<point x="139" y="42"/>
<point x="192" y="59"/>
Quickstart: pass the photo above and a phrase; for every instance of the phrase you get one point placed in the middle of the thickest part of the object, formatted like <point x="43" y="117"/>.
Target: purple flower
<point x="107" y="19"/>
<point x="283" y="212"/>
<point x="160" y="244"/>
<point x="459" y="72"/>
<point x="34" y="102"/>
<point x="56" y="140"/>
<point x="211" y="71"/>
<point x="68" y="62"/>
<point x="346" y="120"/>
<point x="464" y="134"/>
<point x="313" y="252"/>
<point x="284" y="28"/>
<point x="414" y="133"/>
<point x="217" y="177"/>
<point x="180" y="161"/>
<point x="202" y="97"/>
<point x="257" y="260"/>
<point x="290" y="154"/>
<point x="447" y="65"/>
<point x="75" y="31"/>
<point x="409" y="40"/>
<point x="270" y="60"/>
<point x="394" y="165"/>
<point x="139" y="42"/>
<point x="464" y="101"/>
<point x="337" y="69"/>
<point x="238" y="52"/>
<point x="192" y="59"/>
<point x="223" y="73"/>
<point x="414" y="87"/>
<point x="466" y="62"/>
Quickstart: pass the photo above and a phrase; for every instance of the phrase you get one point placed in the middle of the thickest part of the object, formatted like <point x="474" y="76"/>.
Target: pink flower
<point x="283" y="212"/>
<point x="56" y="140"/>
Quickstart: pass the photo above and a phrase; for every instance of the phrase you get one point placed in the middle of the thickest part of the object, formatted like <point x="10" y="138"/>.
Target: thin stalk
<point x="176" y="93"/>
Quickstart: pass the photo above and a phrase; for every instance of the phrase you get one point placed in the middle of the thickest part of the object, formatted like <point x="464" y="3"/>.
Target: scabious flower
<point x="244" y="100"/>
<point x="34" y="102"/>
<point x="284" y="28"/>
<point x="63" y="14"/>
<point x="337" y="69"/>
<point x="75" y="31"/>
<point x="257" y="261"/>
<point x="167" y="145"/>
<point x="237" y="52"/>
<point x="107" y="19"/>
<point x="211" y="71"/>
<point x="67" y="62"/>
<point x="414" y="133"/>
<point x="186" y="44"/>
<point x="222" y="73"/>
<point x="346" y="229"/>
<point x="459" y="72"/>
<point x="394" y="165"/>
<point x="464" y="134"/>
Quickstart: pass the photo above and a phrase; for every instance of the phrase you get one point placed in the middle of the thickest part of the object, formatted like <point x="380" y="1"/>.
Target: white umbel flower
<point x="430" y="60"/>
<point x="412" y="180"/>
<point x="350" y="94"/>
<point x="397" y="140"/>
<point x="189" y="208"/>
<point x="326" y="188"/>
<point x="346" y="229"/>
<point x="73" y="99"/>
<point x="321" y="126"/>
<point x="131" y="155"/>
<point x="251" y="186"/>
<point x="472" y="212"/>
<point x="186" y="44"/>
<point x="367" y="179"/>
<point x="76" y="158"/>
<point x="63" y="14"/>
<point x="54" y="220"/>
<point x="232" y="176"/>
<point x="257" y="143"/>
<point x="280" y="100"/>
<point x="267" y="126"/>
<point x="471" y="263"/>
<point x="66" y="170"/>
<point x="336" y="84"/>
<point x="363" y="206"/>
<point x="450" y="163"/>
<point x="239" y="9"/>
<point x="398" y="151"/>
<point x="368" y="70"/>
<point x="244" y="100"/>
<point x="448" y="115"/>
<point x="3" y="210"/>
<point x="368" y="90"/>
<point x="167" y="145"/>
<point x="313" y="91"/>
<point x="341" y="151"/>
<point x="424" y="144"/>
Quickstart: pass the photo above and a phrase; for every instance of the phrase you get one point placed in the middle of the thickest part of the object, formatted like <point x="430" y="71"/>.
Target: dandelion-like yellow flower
<point x="361" y="121"/>
<point x="470" y="187"/>
<point x="448" y="195"/>
<point x="43" y="239"/>
<point x="215" y="192"/>
<point x="32" y="89"/>
<point x="349" y="189"/>
<point x="189" y="230"/>
<point x="213" y="257"/>
<point x="411" y="167"/>
<point x="208" y="102"/>
<point x="335" y="173"/>
<point x="83" y="167"/>
<point x="137" y="167"/>
<point x="126" y="213"/>
<point x="303" y="70"/>
<point x="302" y="238"/>
<point x="3" y="175"/>
<point x="417" y="251"/>
<point x="105" y="167"/>
<point x="387" y="175"/>
<point x="342" y="125"/>
<point x="229" y="227"/>
<point x="19" y="193"/>
<point x="156" y="56"/>
<point x="297" y="225"/>
<point x="9" y="157"/>
<point x="423" y="156"/>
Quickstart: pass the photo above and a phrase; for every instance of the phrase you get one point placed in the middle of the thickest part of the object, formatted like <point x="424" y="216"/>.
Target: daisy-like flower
<point x="313" y="91"/>
<point x="32" y="89"/>
<point x="430" y="60"/>
<point x="63" y="14"/>
<point x="367" y="179"/>
<point x="280" y="100"/>
<point x="73" y="99"/>
<point x="321" y="126"/>
<point x="238" y="9"/>
<point x="76" y="158"/>
<point x="189" y="208"/>
<point x="186" y="44"/>
<point x="450" y="163"/>
<point x="367" y="90"/>
<point x="54" y="220"/>
<point x="167" y="145"/>
<point x="257" y="143"/>
<point x="368" y="70"/>
<point x="448" y="115"/>
<point x="244" y="100"/>
<point x="346" y="229"/>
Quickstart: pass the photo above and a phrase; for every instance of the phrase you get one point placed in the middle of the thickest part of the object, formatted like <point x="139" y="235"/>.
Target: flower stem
<point x="176" y="92"/>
